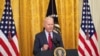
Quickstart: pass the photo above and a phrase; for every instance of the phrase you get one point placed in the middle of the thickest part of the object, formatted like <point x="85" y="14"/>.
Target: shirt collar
<point x="51" y="33"/>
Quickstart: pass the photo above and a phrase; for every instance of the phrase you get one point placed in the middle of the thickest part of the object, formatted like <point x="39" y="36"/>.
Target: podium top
<point x="45" y="53"/>
<point x="69" y="52"/>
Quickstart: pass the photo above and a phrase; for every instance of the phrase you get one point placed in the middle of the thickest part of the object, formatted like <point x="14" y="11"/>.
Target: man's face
<point x="49" y="25"/>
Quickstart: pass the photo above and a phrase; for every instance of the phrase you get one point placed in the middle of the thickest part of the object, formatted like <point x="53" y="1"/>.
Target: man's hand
<point x="45" y="47"/>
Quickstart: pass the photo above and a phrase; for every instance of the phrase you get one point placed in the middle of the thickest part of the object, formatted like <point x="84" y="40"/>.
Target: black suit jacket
<point x="40" y="40"/>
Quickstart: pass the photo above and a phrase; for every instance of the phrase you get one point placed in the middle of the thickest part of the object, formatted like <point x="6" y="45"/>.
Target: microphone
<point x="56" y="42"/>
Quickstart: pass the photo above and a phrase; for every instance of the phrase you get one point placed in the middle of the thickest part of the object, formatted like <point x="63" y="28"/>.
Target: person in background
<point x="47" y="39"/>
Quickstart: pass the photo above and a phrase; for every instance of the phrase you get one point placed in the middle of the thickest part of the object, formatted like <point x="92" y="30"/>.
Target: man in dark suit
<point x="47" y="39"/>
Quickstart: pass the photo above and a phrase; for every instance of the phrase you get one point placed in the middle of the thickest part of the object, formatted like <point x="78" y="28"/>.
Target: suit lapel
<point x="54" y="35"/>
<point x="45" y="39"/>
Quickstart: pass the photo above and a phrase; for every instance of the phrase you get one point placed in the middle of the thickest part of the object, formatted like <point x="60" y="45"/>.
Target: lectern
<point x="45" y="53"/>
<point x="69" y="52"/>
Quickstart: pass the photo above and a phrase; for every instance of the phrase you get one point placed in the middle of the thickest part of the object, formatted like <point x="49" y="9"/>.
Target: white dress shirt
<point x="51" y="33"/>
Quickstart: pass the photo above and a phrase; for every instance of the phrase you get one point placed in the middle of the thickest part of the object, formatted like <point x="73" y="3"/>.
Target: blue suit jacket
<point x="40" y="40"/>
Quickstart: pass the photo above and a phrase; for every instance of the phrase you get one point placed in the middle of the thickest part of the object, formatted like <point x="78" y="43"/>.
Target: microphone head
<point x="56" y="42"/>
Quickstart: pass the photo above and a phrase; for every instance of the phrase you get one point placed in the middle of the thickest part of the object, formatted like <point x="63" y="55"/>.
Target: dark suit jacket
<point x="40" y="40"/>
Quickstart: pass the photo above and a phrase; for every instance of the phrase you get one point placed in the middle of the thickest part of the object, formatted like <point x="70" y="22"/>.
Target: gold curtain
<point x="29" y="15"/>
<point x="68" y="14"/>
